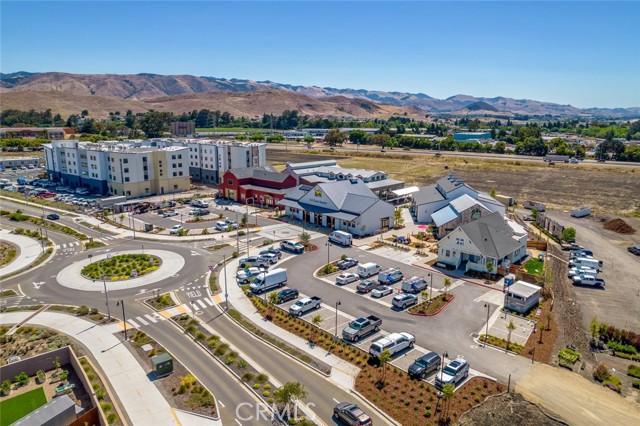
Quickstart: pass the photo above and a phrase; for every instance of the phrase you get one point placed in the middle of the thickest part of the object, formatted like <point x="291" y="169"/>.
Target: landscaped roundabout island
<point x="122" y="267"/>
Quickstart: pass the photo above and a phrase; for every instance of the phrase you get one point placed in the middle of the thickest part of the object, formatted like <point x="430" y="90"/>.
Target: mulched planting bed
<point x="437" y="303"/>
<point x="415" y="402"/>
<point x="161" y="302"/>
<point x="544" y="339"/>
<point x="180" y="388"/>
<point x="122" y="267"/>
<point x="8" y="252"/>
<point x="501" y="343"/>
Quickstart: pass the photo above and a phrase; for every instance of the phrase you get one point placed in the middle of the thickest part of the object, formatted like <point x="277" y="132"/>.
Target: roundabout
<point x="26" y="251"/>
<point x="122" y="267"/>
<point x="72" y="277"/>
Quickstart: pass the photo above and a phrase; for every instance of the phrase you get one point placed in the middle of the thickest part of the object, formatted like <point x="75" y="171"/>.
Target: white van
<point x="588" y="262"/>
<point x="341" y="237"/>
<point x="367" y="270"/>
<point x="221" y="226"/>
<point x="268" y="280"/>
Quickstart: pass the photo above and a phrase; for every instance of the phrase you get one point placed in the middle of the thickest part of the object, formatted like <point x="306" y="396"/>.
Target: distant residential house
<point x="263" y="185"/>
<point x="488" y="239"/>
<point x="429" y="199"/>
<point x="32" y="132"/>
<point x="346" y="205"/>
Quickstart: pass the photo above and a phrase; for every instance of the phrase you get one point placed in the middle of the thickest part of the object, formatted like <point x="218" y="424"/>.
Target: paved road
<point x="450" y="331"/>
<point x="429" y="153"/>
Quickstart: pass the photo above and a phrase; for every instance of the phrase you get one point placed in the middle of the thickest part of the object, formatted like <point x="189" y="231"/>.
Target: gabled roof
<point x="348" y="196"/>
<point x="427" y="195"/>
<point x="444" y="215"/>
<point x="464" y="202"/>
<point x="491" y="235"/>
<point x="450" y="182"/>
<point x="523" y="288"/>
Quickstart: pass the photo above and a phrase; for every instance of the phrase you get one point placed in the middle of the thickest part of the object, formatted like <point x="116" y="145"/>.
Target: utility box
<point x="509" y="279"/>
<point x="162" y="364"/>
<point x="148" y="227"/>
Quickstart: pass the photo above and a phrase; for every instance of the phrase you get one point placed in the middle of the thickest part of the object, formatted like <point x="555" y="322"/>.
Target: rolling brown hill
<point x="249" y="104"/>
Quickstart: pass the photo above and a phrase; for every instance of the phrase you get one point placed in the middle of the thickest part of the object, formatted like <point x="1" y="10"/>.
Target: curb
<point x="436" y="312"/>
<point x="477" y="340"/>
<point x="435" y="271"/>
<point x="375" y="407"/>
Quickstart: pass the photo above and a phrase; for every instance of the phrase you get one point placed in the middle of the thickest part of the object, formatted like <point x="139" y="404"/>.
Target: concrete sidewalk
<point x="139" y="397"/>
<point x="30" y="249"/>
<point x="342" y="372"/>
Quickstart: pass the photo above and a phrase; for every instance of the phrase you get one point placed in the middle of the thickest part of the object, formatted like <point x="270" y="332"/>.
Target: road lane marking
<point x="238" y="422"/>
<point x="150" y="318"/>
<point x="337" y="402"/>
<point x="220" y="402"/>
<point x="133" y="323"/>
<point x="208" y="300"/>
<point x="142" y="321"/>
<point x="201" y="303"/>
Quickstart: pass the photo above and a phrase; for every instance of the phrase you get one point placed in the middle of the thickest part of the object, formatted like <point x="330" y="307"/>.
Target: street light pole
<point x="133" y="224"/>
<point x="336" y="332"/>
<point x="430" y="286"/>
<point x="328" y="255"/>
<point x="104" y="282"/>
<point x="226" y="294"/>
<point x="486" y="334"/>
<point x="124" y="318"/>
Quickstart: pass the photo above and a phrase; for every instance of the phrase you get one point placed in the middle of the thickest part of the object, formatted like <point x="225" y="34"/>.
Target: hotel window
<point x="126" y="170"/>
<point x="126" y="179"/>
<point x="125" y="161"/>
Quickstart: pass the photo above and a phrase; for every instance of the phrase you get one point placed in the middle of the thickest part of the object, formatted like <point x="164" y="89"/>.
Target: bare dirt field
<point x="562" y="186"/>
<point x="508" y="409"/>
<point x="576" y="399"/>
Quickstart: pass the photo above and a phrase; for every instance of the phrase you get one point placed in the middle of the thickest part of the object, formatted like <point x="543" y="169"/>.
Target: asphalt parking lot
<point x="619" y="302"/>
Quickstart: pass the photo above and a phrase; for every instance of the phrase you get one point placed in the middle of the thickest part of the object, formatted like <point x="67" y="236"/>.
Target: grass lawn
<point x="122" y="267"/>
<point x="19" y="406"/>
<point x="534" y="266"/>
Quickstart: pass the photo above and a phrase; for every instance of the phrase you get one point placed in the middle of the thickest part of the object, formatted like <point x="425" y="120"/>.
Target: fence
<point x="550" y="225"/>
<point x="538" y="245"/>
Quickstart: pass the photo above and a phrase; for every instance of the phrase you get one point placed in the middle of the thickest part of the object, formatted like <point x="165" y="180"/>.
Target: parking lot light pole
<point x="104" y="282"/>
<point x="430" y="286"/>
<point x="336" y="333"/>
<point x="486" y="335"/>
<point x="246" y="203"/>
<point x="328" y="256"/>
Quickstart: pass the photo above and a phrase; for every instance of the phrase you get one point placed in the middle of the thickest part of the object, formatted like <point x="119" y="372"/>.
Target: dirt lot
<point x="508" y="409"/>
<point x="560" y="187"/>
<point x="576" y="399"/>
<point x="619" y="302"/>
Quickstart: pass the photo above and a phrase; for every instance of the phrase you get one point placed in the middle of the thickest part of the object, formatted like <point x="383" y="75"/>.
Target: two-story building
<point x="264" y="186"/>
<point x="489" y="239"/>
<point x="461" y="210"/>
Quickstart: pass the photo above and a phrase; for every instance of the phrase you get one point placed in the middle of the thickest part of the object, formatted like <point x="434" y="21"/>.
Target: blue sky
<point x="580" y="53"/>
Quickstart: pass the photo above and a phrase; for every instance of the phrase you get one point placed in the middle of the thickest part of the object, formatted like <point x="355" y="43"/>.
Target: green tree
<point x="549" y="318"/>
<point x="22" y="379"/>
<point x="569" y="234"/>
<point x="384" y="358"/>
<point x="447" y="286"/>
<point x="155" y="123"/>
<point x="510" y="327"/>
<point x="397" y="218"/>
<point x="273" y="301"/>
<point x="257" y="137"/>
<point x="594" y="328"/>
<point x="241" y="137"/>
<point x="308" y="139"/>
<point x="335" y="137"/>
<point x="305" y="237"/>
<point x="316" y="321"/>
<point x="244" y="220"/>
<point x="489" y="266"/>
<point x="357" y="137"/>
<point x="447" y="394"/>
<point x="289" y="393"/>
<point x="275" y="138"/>
<point x="500" y="147"/>
<point x="121" y="218"/>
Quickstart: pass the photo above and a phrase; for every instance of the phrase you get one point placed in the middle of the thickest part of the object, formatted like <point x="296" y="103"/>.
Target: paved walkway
<point x="139" y="397"/>
<point x="342" y="372"/>
<point x="70" y="276"/>
<point x="30" y="249"/>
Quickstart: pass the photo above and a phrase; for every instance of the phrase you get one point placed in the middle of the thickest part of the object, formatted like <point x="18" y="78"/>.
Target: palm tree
<point x="549" y="318"/>
<point x="384" y="358"/>
<point x="511" y="326"/>
<point x="447" y="285"/>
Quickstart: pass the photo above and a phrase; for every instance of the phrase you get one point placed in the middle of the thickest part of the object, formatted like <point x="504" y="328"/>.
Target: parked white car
<point x="581" y="270"/>
<point x="381" y="291"/>
<point x="175" y="229"/>
<point x="346" y="278"/>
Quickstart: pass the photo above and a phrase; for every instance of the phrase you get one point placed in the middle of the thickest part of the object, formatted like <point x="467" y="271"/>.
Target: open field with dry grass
<point x="562" y="186"/>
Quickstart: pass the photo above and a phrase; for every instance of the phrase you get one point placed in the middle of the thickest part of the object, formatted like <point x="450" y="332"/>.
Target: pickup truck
<point x="588" y="280"/>
<point x="304" y="305"/>
<point x="360" y="327"/>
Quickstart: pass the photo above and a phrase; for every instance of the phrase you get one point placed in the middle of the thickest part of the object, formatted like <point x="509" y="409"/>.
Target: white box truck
<point x="367" y="270"/>
<point x="581" y="211"/>
<point x="341" y="237"/>
<point x="269" y="280"/>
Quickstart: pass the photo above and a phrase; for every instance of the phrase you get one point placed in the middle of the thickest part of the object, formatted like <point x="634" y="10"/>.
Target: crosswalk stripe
<point x="208" y="300"/>
<point x="201" y="303"/>
<point x="77" y="243"/>
<point x="143" y="322"/>
<point x="150" y="318"/>
<point x="133" y="323"/>
<point x="64" y="245"/>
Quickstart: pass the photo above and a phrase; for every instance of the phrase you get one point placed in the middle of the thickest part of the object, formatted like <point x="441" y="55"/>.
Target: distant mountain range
<point x="69" y="93"/>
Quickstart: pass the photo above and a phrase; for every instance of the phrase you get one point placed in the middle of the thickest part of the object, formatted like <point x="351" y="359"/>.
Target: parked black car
<point x="351" y="414"/>
<point x="287" y="294"/>
<point x="634" y="249"/>
<point x="425" y="365"/>
<point x="53" y="216"/>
